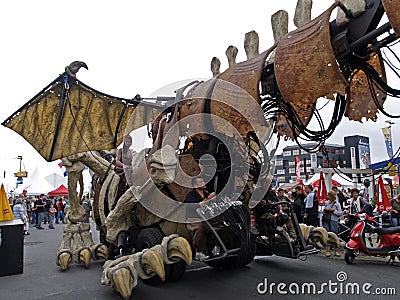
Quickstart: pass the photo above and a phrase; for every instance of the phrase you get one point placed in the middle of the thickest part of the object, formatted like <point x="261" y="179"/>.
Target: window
<point x="296" y="152"/>
<point x="280" y="172"/>
<point x="279" y="163"/>
<point x="281" y="179"/>
<point x="287" y="153"/>
<point x="308" y="161"/>
<point x="292" y="170"/>
<point x="292" y="163"/>
<point x="303" y="151"/>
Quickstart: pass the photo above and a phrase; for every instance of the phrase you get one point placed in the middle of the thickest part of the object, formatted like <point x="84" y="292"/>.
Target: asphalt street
<point x="264" y="278"/>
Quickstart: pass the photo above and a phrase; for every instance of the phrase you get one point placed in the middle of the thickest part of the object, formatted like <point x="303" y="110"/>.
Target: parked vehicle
<point x="388" y="239"/>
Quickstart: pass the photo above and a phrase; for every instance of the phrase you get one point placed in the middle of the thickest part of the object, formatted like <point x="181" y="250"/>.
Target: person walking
<point x="52" y="214"/>
<point x="60" y="209"/>
<point x="39" y="204"/>
<point x="311" y="207"/>
<point x="19" y="213"/>
<point x="87" y="207"/>
<point x="300" y="203"/>
<point x="330" y="219"/>
<point x="33" y="212"/>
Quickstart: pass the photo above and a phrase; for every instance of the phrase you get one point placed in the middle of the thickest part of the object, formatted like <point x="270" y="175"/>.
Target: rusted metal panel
<point x="236" y="97"/>
<point x="247" y="74"/>
<point x="392" y="8"/>
<point x="187" y="167"/>
<point x="361" y="103"/>
<point x="306" y="67"/>
<point x="235" y="111"/>
<point x="193" y="105"/>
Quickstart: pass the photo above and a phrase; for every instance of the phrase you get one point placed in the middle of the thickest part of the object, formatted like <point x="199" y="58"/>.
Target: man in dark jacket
<point x="39" y="205"/>
<point x="300" y="203"/>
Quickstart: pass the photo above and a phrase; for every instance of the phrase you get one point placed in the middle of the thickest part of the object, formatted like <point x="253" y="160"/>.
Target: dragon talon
<point x="84" y="257"/>
<point x="179" y="248"/>
<point x="123" y="282"/>
<point x="150" y="263"/>
<point x="101" y="252"/>
<point x="63" y="260"/>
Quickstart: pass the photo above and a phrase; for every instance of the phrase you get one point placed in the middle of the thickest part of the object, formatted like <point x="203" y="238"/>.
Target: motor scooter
<point x="388" y="239"/>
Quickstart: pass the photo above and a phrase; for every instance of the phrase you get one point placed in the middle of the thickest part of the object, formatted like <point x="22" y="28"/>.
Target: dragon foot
<point x="77" y="245"/>
<point x="123" y="272"/>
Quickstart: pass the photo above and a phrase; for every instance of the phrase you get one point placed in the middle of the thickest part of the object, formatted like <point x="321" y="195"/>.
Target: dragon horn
<point x="302" y="14"/>
<point x="231" y="53"/>
<point x="215" y="65"/>
<point x="251" y="44"/>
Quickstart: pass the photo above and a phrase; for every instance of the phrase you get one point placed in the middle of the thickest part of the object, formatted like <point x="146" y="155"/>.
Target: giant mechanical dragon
<point x="217" y="128"/>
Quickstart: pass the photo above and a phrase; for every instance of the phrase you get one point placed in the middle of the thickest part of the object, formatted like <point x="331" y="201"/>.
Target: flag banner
<point x="382" y="199"/>
<point x="63" y="169"/>
<point x="387" y="134"/>
<point x="298" y="178"/>
<point x="321" y="190"/>
<point x="6" y="213"/>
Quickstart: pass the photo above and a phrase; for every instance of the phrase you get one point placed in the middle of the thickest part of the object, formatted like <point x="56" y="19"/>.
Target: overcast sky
<point x="131" y="47"/>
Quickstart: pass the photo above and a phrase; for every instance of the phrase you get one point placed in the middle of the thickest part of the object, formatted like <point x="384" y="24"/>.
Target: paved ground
<point x="42" y="279"/>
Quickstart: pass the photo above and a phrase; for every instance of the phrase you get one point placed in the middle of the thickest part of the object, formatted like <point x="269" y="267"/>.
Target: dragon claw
<point x="84" y="257"/>
<point x="63" y="260"/>
<point x="123" y="282"/>
<point x="151" y="263"/>
<point x="101" y="252"/>
<point x="179" y="248"/>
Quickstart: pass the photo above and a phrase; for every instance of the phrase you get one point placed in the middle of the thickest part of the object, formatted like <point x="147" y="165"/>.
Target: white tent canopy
<point x="343" y="179"/>
<point x="56" y="180"/>
<point x="312" y="179"/>
<point x="36" y="184"/>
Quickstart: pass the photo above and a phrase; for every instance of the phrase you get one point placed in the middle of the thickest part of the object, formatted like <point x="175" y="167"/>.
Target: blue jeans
<point x="60" y="215"/>
<point x="51" y="222"/>
<point x="40" y="219"/>
<point x="33" y="219"/>
<point x="395" y="221"/>
<point x="332" y="226"/>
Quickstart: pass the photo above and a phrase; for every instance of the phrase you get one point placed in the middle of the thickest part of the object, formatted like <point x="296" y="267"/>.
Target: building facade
<point x="354" y="154"/>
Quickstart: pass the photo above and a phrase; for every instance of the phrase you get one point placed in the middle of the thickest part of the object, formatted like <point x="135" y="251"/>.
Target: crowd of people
<point x="39" y="210"/>
<point x="338" y="205"/>
<point x="305" y="204"/>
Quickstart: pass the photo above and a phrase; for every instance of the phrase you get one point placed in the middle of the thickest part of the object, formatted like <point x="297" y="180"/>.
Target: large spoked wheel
<point x="349" y="256"/>
<point x="150" y="237"/>
<point x="240" y="237"/>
